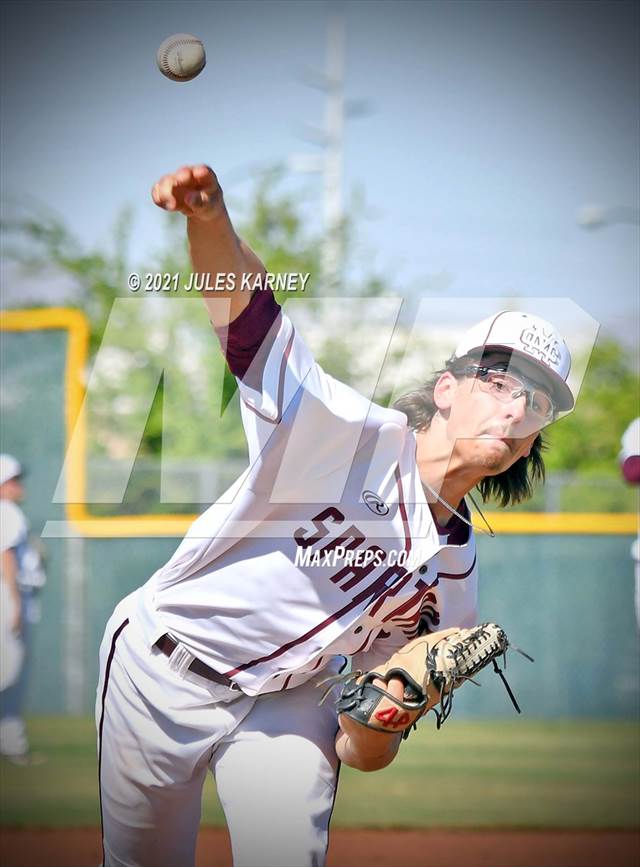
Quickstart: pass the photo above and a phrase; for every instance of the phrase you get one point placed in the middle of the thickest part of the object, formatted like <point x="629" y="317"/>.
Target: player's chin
<point x="494" y="455"/>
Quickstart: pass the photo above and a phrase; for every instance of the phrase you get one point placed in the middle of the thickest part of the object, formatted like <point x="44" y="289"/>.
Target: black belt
<point x="167" y="645"/>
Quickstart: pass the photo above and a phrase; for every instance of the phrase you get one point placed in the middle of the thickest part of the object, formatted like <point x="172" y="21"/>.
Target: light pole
<point x="333" y="253"/>
<point x="330" y="138"/>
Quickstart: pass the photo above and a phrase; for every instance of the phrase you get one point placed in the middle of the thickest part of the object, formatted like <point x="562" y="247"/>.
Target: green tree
<point x="272" y="224"/>
<point x="38" y="240"/>
<point x="41" y="243"/>
<point x="588" y="440"/>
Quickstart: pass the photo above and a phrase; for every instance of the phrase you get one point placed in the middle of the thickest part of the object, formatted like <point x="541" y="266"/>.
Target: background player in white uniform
<point x="629" y="458"/>
<point x="214" y="663"/>
<point x="21" y="579"/>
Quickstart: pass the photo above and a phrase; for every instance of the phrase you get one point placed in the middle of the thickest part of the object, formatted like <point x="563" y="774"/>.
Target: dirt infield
<point x="436" y="848"/>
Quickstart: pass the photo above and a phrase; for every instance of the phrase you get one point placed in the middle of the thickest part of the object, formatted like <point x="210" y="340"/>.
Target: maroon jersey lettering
<point x="330" y="513"/>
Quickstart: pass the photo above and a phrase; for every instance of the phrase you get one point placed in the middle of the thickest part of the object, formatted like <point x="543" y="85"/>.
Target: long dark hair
<point x="510" y="487"/>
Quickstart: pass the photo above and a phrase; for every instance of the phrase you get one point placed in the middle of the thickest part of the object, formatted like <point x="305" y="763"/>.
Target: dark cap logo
<point x="374" y="503"/>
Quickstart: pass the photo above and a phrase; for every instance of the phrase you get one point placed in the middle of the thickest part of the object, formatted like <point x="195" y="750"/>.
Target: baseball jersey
<point x="14" y="534"/>
<point x="325" y="545"/>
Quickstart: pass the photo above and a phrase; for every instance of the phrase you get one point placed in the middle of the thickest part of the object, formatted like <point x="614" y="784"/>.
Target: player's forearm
<point x="363" y="748"/>
<point x="213" y="244"/>
<point x="215" y="249"/>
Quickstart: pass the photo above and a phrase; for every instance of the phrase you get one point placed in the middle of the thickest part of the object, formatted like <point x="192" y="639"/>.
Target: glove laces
<point x="463" y="655"/>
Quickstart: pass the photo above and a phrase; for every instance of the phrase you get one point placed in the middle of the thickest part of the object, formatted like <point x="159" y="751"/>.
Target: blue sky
<point x="493" y="123"/>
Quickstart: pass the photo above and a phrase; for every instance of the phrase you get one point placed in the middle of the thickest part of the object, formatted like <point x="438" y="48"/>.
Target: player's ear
<point x="444" y="391"/>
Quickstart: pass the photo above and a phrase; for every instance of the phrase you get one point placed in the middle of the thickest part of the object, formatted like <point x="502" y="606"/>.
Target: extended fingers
<point x="163" y="192"/>
<point x="204" y="175"/>
<point x="155" y="193"/>
<point x="199" y="176"/>
<point x="189" y="186"/>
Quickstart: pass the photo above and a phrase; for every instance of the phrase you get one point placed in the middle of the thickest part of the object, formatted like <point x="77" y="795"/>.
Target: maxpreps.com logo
<point x="541" y="344"/>
<point x="374" y="503"/>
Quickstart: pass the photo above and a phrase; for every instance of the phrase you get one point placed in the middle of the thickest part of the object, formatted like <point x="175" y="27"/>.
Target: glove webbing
<point x="466" y="662"/>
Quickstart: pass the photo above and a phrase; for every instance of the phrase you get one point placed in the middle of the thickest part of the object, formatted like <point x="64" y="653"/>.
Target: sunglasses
<point x="507" y="387"/>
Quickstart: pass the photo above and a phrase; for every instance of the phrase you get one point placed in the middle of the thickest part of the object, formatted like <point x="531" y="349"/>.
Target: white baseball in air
<point x="181" y="57"/>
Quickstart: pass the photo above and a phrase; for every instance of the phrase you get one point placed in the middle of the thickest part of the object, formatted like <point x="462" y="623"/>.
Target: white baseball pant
<point x="159" y="730"/>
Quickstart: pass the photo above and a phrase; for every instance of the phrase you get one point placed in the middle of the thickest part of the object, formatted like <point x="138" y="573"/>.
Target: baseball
<point x="181" y="57"/>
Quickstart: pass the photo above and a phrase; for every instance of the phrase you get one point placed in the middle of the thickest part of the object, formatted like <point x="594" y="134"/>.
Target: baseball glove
<point x="430" y="667"/>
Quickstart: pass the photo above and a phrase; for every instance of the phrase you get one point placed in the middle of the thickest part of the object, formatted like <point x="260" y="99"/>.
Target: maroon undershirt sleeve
<point x="457" y="531"/>
<point x="247" y="341"/>
<point x="631" y="469"/>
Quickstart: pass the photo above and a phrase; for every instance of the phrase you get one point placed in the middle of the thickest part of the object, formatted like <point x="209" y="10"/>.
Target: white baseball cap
<point x="528" y="336"/>
<point x="10" y="468"/>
